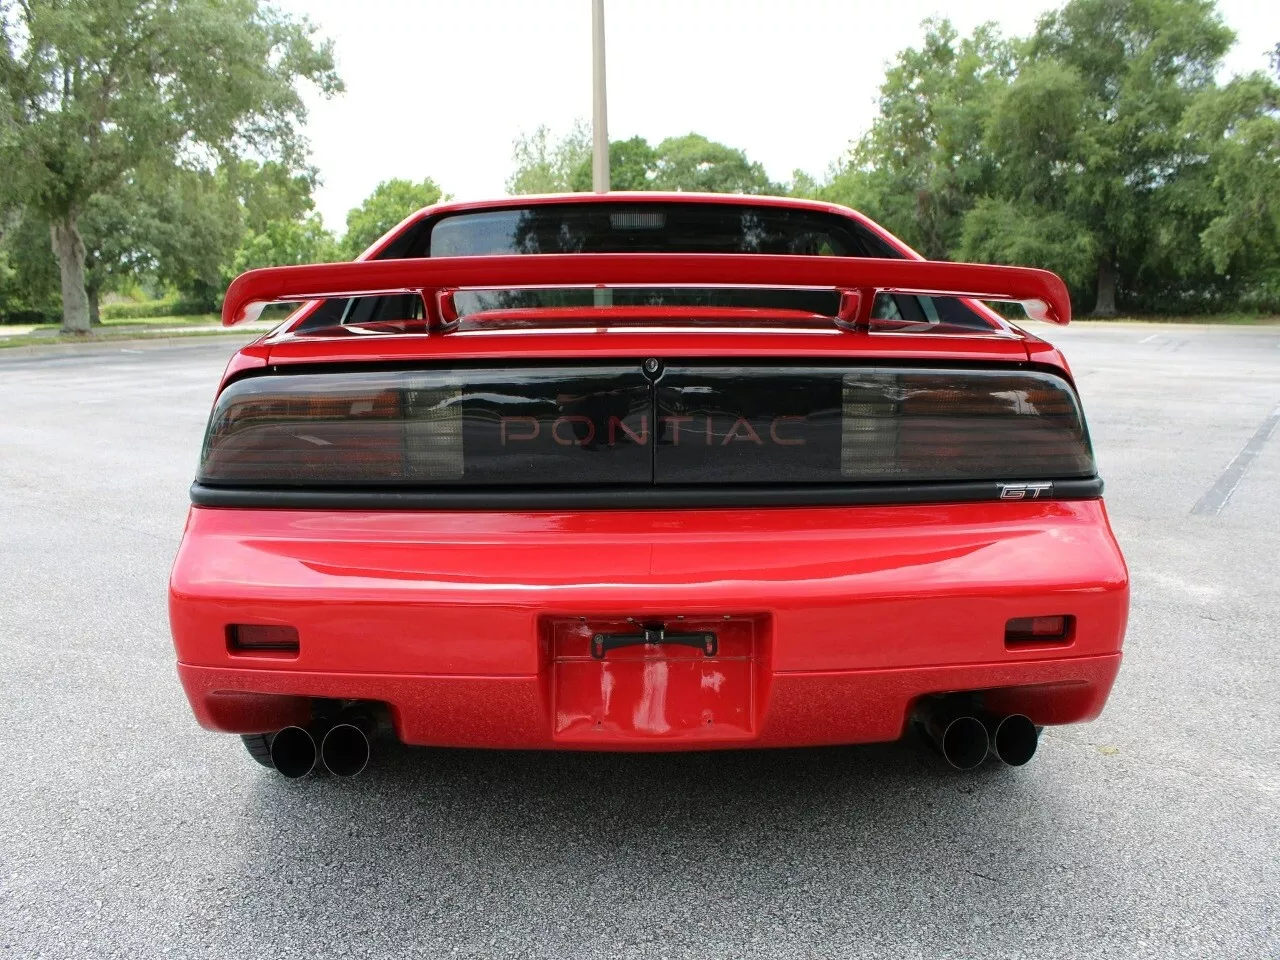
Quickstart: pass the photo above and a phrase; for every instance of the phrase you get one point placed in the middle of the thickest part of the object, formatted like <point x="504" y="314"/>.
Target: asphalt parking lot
<point x="126" y="831"/>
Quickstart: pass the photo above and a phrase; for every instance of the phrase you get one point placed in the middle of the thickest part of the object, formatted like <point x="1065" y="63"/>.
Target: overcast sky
<point x="441" y="89"/>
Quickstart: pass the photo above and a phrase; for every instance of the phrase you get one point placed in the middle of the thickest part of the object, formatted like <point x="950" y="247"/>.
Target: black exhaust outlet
<point x="1013" y="738"/>
<point x="346" y="746"/>
<point x="293" y="752"/>
<point x="960" y="737"/>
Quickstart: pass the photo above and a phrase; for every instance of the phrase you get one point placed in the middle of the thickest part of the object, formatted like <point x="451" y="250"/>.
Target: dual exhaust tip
<point x="965" y="740"/>
<point x="343" y="748"/>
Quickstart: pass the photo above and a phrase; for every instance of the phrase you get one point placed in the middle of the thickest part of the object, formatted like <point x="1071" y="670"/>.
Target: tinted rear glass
<point x="652" y="228"/>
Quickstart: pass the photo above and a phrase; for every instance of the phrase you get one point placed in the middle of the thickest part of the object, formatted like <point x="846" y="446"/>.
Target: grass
<point x="199" y="318"/>
<point x="151" y="328"/>
<point x="1243" y="319"/>
<point x="196" y="320"/>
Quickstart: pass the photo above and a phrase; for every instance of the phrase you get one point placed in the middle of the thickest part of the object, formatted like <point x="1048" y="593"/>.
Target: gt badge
<point x="1025" y="491"/>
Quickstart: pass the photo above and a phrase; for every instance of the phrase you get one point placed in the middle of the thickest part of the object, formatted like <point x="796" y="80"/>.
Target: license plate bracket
<point x="654" y="634"/>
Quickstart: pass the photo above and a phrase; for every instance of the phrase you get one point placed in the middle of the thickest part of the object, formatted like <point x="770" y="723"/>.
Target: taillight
<point x="1024" y="630"/>
<point x="809" y="424"/>
<point x="422" y="428"/>
<point x="681" y="424"/>
<point x="961" y="425"/>
<point x="262" y="639"/>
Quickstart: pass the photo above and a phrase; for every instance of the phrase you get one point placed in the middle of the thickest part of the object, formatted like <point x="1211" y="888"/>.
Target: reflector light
<point x="1037" y="629"/>
<point x="262" y="637"/>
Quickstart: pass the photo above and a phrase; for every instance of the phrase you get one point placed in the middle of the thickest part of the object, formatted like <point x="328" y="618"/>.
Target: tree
<point x="694" y="163"/>
<point x="1238" y="127"/>
<point x="97" y="91"/>
<point x="923" y="163"/>
<point x="285" y="242"/>
<point x="200" y="220"/>
<point x="687" y="163"/>
<point x="544" y="166"/>
<point x="1000" y="231"/>
<point x="1089" y="130"/>
<point x="28" y="271"/>
<point x="631" y="166"/>
<point x="390" y="202"/>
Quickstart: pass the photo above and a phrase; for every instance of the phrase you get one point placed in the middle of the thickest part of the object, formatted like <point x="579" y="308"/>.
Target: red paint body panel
<point x="474" y="628"/>
<point x="424" y="609"/>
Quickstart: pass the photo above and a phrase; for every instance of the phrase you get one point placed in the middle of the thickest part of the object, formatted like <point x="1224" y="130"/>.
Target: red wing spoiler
<point x="1042" y="294"/>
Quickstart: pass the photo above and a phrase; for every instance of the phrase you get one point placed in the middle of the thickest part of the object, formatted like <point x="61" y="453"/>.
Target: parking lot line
<point x="1212" y="503"/>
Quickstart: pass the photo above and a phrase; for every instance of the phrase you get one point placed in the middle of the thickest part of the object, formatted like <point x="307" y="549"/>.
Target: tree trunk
<point x="95" y="315"/>
<point x="1105" y="305"/>
<point x="69" y="248"/>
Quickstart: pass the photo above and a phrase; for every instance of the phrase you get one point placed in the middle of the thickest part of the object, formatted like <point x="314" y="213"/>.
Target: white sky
<point x="441" y="89"/>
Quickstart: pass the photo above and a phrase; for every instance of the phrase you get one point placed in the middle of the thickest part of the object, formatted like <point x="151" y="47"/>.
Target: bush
<point x="148" y="309"/>
<point x="30" y="316"/>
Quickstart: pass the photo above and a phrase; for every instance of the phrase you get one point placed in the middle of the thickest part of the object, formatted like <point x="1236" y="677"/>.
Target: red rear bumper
<point x="473" y="627"/>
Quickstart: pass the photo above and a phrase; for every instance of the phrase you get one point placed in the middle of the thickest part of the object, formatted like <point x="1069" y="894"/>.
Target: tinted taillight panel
<point x="597" y="425"/>
<point x="748" y="425"/>
<point x="586" y="425"/>
<point x="825" y="425"/>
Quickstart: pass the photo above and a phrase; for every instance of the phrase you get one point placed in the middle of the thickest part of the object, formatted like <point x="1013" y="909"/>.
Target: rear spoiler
<point x="858" y="279"/>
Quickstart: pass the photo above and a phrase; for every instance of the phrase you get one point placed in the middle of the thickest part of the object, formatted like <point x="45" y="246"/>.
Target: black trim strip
<point x="628" y="498"/>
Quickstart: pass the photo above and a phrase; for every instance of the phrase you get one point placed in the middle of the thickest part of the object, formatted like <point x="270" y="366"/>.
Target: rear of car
<point x="647" y="474"/>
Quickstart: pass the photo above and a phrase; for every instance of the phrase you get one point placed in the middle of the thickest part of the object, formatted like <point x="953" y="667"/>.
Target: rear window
<point x="652" y="228"/>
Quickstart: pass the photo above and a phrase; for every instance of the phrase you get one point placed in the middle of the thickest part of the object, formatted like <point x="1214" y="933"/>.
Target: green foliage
<point x="690" y="163"/>
<point x="1239" y="127"/>
<point x="631" y="165"/>
<point x="268" y="192"/>
<point x="28" y="271"/>
<point x="390" y="202"/>
<point x="286" y="242"/>
<point x="200" y="223"/>
<point x="151" y="309"/>
<point x="921" y="165"/>
<point x="999" y="231"/>
<point x="804" y="185"/>
<point x="694" y="163"/>
<point x="1099" y="102"/>
<point x="546" y="166"/>
<point x="1100" y="147"/>
<point x="97" y="92"/>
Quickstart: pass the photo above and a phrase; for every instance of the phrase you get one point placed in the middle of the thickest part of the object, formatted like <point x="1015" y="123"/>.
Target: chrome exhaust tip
<point x="345" y="749"/>
<point x="1013" y="739"/>
<point x="293" y="752"/>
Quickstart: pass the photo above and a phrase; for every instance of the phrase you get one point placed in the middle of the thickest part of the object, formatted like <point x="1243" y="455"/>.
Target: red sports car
<point x="645" y="472"/>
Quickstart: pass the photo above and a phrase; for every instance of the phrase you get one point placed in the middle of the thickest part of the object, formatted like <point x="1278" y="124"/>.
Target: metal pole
<point x="599" y="115"/>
